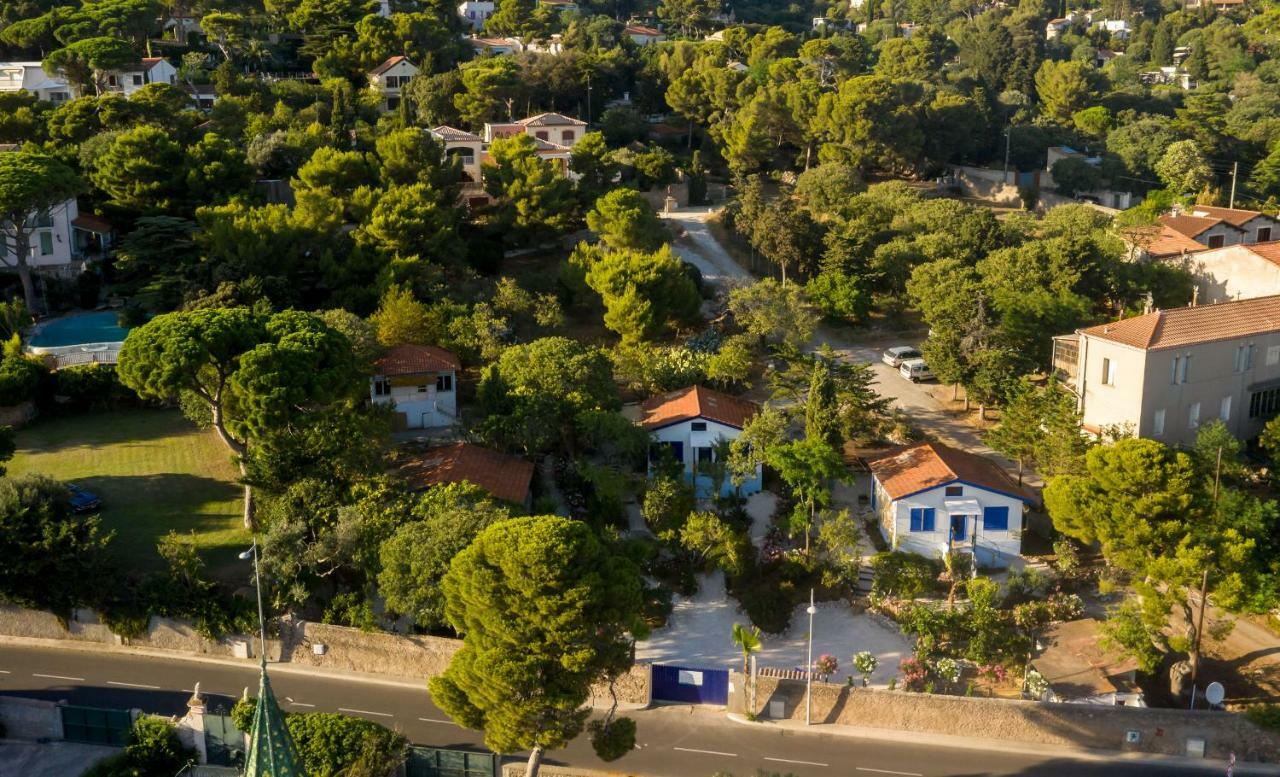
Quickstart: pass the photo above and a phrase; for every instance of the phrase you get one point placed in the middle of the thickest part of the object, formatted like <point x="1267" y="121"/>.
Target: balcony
<point x="1066" y="359"/>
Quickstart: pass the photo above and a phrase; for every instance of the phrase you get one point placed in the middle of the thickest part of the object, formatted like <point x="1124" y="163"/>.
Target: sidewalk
<point x="1002" y="745"/>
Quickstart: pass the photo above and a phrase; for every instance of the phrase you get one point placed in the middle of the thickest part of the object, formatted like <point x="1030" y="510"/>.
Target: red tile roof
<point x="696" y="402"/>
<point x="640" y="29"/>
<point x="453" y="133"/>
<point x="388" y="64"/>
<point x="1191" y="226"/>
<point x="92" y="223"/>
<point x="1163" y="241"/>
<point x="1192" y="326"/>
<point x="414" y="359"/>
<point x="551" y="120"/>
<point x="1236" y="217"/>
<point x="1269" y="251"/>
<point x="506" y="477"/>
<point x="928" y="465"/>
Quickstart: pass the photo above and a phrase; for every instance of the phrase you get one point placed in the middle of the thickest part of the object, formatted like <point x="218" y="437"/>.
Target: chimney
<point x="1148" y="304"/>
<point x="1176" y="209"/>
<point x="1195" y="296"/>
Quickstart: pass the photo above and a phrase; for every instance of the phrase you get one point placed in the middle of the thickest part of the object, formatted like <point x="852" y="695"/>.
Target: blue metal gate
<point x="690" y="685"/>
<point x="93" y="725"/>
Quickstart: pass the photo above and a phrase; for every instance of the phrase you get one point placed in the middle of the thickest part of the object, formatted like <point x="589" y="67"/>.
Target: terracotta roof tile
<point x="506" y="477"/>
<point x="929" y="465"/>
<point x="551" y="120"/>
<point x="696" y="402"/>
<point x="1269" y="251"/>
<point x="413" y="359"/>
<point x="640" y="29"/>
<point x="1181" y="327"/>
<point x="1190" y="226"/>
<point x="92" y="223"/>
<point x="1163" y="241"/>
<point x="1236" y="217"/>
<point x="453" y="133"/>
<point x="388" y="64"/>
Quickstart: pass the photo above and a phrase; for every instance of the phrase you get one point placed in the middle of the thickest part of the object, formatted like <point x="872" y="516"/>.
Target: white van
<point x="915" y="370"/>
<point x="894" y="357"/>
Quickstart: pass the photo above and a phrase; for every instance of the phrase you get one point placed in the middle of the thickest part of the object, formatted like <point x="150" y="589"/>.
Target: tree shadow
<point x="96" y="429"/>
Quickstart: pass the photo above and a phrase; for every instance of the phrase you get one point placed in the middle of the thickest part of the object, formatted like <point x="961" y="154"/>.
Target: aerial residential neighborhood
<point x="671" y="388"/>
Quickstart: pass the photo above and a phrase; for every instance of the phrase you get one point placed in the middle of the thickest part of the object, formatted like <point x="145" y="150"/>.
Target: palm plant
<point x="748" y="641"/>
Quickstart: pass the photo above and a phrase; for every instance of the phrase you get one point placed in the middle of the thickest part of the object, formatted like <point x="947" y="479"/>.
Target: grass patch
<point x="155" y="472"/>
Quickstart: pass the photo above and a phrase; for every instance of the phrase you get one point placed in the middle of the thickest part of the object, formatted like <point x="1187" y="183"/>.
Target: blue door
<point x="958" y="527"/>
<point x="690" y="685"/>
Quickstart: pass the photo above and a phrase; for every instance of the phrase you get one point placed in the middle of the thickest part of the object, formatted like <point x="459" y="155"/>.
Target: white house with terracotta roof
<point x="389" y="78"/>
<point x="554" y="135"/>
<point x="1241" y="271"/>
<point x="131" y="78"/>
<point x="1159" y="242"/>
<point x="1163" y="374"/>
<point x="30" y="77"/>
<point x="420" y="384"/>
<point x="1218" y="227"/>
<point x="643" y="35"/>
<point x="469" y="149"/>
<point x="689" y="423"/>
<point x="931" y="498"/>
<point x="509" y="478"/>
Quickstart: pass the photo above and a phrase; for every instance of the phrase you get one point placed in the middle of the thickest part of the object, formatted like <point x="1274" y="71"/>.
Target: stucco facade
<point x="692" y="442"/>
<point x="965" y="517"/>
<point x="1233" y="272"/>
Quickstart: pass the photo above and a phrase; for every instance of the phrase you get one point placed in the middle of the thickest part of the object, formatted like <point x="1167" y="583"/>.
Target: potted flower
<point x="825" y="666"/>
<point x="865" y="662"/>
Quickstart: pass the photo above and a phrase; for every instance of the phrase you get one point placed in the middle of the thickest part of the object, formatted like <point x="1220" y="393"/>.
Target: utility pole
<point x="1008" y="139"/>
<point x="1204" y="599"/>
<point x="588" y="99"/>
<point x="808" y="675"/>
<point x="1235" y="168"/>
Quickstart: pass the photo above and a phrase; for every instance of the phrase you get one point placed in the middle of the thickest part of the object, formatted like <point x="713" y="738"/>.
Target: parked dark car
<point x="83" y="501"/>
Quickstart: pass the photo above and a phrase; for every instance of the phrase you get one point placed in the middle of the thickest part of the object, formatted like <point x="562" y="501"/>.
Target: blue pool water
<point x="100" y="327"/>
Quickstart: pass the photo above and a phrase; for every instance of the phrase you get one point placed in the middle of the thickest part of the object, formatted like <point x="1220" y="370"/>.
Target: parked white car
<point x="915" y="370"/>
<point x="894" y="357"/>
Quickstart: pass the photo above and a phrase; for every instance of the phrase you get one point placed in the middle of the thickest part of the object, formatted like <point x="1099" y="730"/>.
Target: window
<point x="137" y="80"/>
<point x="113" y="81"/>
<point x="46" y="243"/>
<point x="922" y="519"/>
<point x="568" y="136"/>
<point x="1273" y="355"/>
<point x="698" y="426"/>
<point x="1224" y="410"/>
<point x="1216" y="241"/>
<point x="541" y="136"/>
<point x="382" y="387"/>
<point x="1108" y="373"/>
<point x="1184" y="368"/>
<point x="1244" y="358"/>
<point x="995" y="519"/>
<point x="1157" y="423"/>
<point x="444" y="383"/>
<point x="1173" y="370"/>
<point x="1193" y="416"/>
<point x="422" y="389"/>
<point x="1264" y="403"/>
<point x="955" y="491"/>
<point x="704" y="455"/>
<point x="1264" y="234"/>
<point x="44" y="220"/>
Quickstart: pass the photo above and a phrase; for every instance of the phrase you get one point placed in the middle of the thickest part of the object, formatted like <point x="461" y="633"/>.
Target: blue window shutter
<point x="915" y="518"/>
<point x="928" y="518"/>
<point x="995" y="518"/>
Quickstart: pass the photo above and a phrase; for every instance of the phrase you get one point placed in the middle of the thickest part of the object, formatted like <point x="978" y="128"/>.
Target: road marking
<point x="5" y="671"/>
<point x="134" y="685"/>
<point x="304" y="704"/>
<point x="789" y="761"/>
<point x="705" y="752"/>
<point x="887" y="771"/>
<point x="366" y="712"/>
<point x="58" y="677"/>
<point x="437" y="720"/>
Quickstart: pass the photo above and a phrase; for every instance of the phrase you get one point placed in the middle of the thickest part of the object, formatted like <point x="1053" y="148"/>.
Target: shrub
<point x="865" y="662"/>
<point x="914" y="674"/>
<point x="131" y="316"/>
<point x="331" y="744"/>
<point x="826" y="665"/>
<point x="153" y="748"/>
<point x="613" y="740"/>
<point x="19" y="379"/>
<point x="1264" y="715"/>
<point x="88" y="385"/>
<point x="905" y="575"/>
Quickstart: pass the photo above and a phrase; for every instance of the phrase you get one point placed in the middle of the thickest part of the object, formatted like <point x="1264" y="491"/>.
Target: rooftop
<point x="696" y="402"/>
<point x="640" y="29"/>
<point x="1191" y="226"/>
<point x="1236" y="217"/>
<point x="1269" y="251"/>
<point x="551" y="120"/>
<point x="388" y="64"/>
<point x="505" y="477"/>
<point x="453" y="133"/>
<point x="1181" y="327"/>
<point x="1077" y="666"/>
<point x="414" y="359"/>
<point x="928" y="465"/>
<point x="1163" y="241"/>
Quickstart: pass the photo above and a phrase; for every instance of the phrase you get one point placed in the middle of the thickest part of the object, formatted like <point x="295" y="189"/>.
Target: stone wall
<point x="30" y="718"/>
<point x="1160" y="731"/>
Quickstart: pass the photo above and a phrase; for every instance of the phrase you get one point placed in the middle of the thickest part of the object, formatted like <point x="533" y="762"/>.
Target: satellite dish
<point x="1215" y="693"/>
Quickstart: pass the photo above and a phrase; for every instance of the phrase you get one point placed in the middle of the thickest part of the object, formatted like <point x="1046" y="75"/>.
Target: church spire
<point x="271" y="751"/>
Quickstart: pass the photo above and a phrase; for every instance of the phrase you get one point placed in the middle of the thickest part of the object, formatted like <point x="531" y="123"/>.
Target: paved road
<point x="673" y="741"/>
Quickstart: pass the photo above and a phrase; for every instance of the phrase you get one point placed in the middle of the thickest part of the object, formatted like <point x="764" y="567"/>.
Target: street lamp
<point x="252" y="553"/>
<point x="808" y="676"/>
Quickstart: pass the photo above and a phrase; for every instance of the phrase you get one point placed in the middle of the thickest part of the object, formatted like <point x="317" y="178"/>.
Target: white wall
<point x="1118" y="403"/>
<point x="1233" y="272"/>
<point x="423" y="409"/>
<point x="683" y="433"/>
<point x="1007" y="543"/>
<point x="57" y="238"/>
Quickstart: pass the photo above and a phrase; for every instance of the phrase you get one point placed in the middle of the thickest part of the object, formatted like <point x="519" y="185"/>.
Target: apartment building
<point x="1163" y="374"/>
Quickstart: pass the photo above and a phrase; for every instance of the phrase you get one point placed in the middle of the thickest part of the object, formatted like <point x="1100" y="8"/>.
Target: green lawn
<point x="154" y="471"/>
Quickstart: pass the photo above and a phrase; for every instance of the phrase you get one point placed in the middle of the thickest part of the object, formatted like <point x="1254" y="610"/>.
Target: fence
<point x="690" y="685"/>
<point x="223" y="742"/>
<point x="435" y="762"/>
<point x="95" y="726"/>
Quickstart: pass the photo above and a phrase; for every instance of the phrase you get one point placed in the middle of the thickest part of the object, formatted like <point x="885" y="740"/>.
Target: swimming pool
<point x="78" y="329"/>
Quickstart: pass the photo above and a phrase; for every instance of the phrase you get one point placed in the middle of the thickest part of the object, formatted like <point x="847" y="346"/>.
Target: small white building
<point x="496" y="46"/>
<point x="1241" y="271"/>
<point x="30" y="77"/>
<point x="1210" y="231"/>
<point x="389" y="78"/>
<point x="932" y="499"/>
<point x="1055" y="27"/>
<point x="689" y="423"/>
<point x="420" y="383"/>
<point x="52" y="243"/>
<point x="642" y="35"/>
<point x="1119" y="28"/>
<point x="150" y="70"/>
<point x="475" y="13"/>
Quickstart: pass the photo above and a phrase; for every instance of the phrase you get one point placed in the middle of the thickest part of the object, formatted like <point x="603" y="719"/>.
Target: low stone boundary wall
<point x="344" y="649"/>
<point x="30" y="718"/>
<point x="1160" y="731"/>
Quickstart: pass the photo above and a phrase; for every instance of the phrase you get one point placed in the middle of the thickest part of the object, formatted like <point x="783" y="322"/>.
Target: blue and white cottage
<point x="689" y="422"/>
<point x="931" y="498"/>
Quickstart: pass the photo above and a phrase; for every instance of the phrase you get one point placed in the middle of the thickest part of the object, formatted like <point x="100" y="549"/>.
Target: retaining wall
<point x="30" y="718"/>
<point x="1160" y="731"/>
